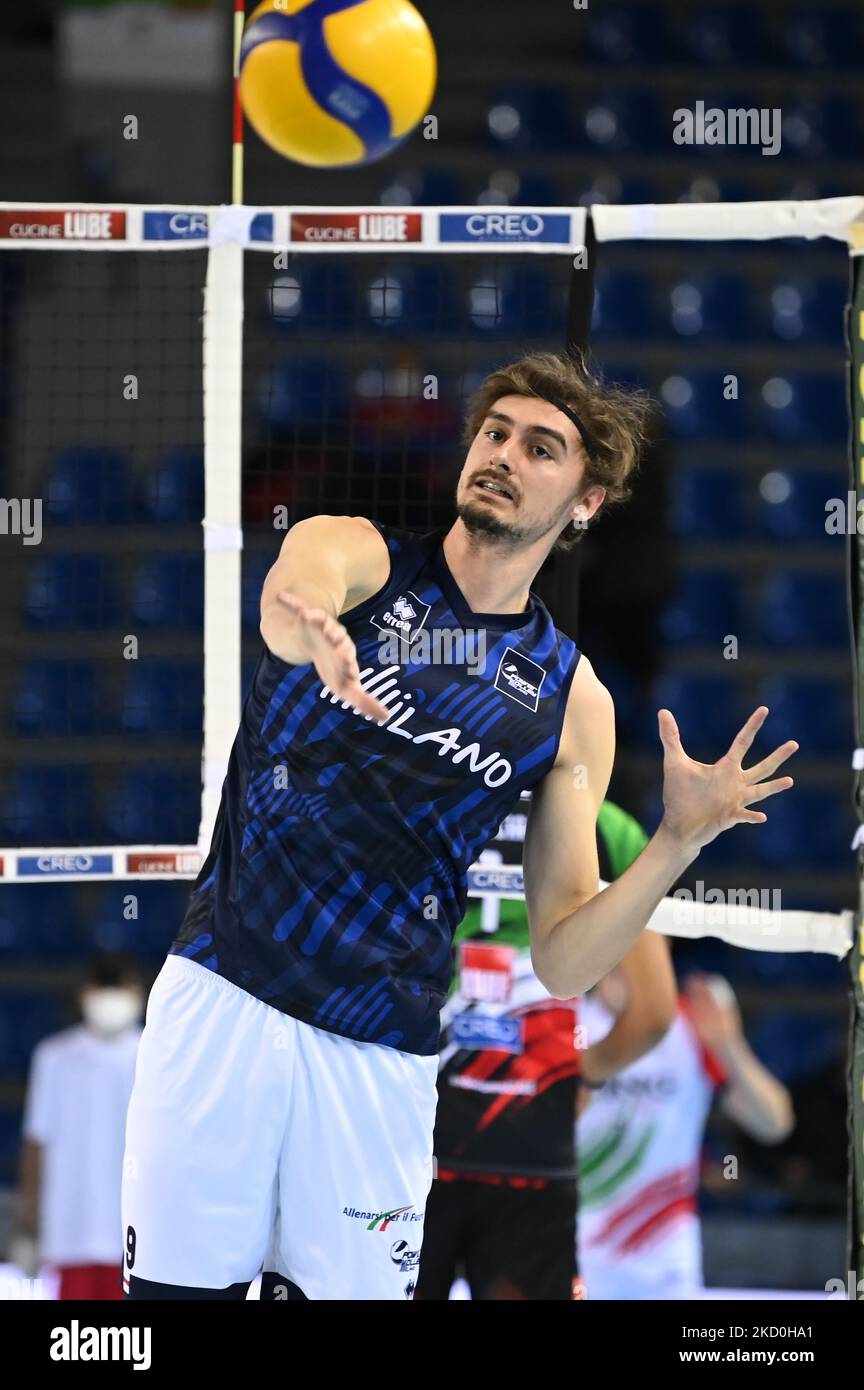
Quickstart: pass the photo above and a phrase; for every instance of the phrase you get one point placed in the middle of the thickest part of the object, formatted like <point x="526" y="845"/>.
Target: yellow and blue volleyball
<point x="332" y="83"/>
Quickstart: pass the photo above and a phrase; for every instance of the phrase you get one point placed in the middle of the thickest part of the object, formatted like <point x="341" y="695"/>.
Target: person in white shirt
<point x="73" y="1136"/>
<point x="640" y="1139"/>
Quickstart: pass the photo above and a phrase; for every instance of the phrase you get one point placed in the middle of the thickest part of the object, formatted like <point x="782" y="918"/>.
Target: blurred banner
<point x="143" y="43"/>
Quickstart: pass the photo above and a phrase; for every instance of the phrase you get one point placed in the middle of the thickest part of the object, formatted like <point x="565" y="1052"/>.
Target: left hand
<point x="700" y="800"/>
<point x="717" y="1023"/>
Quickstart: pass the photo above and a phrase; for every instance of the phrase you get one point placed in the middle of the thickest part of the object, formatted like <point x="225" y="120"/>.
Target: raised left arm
<point x="577" y="933"/>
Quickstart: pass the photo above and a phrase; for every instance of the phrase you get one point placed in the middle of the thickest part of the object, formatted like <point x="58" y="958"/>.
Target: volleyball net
<point x="179" y="385"/>
<point x="182" y="384"/>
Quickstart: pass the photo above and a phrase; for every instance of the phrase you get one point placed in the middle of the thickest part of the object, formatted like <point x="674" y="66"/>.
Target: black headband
<point x="589" y="444"/>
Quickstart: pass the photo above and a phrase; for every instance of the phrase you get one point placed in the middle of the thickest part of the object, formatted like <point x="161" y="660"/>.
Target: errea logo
<point x="520" y="678"/>
<point x="405" y="617"/>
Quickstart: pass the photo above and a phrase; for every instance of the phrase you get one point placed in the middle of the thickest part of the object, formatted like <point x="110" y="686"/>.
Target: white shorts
<point x="254" y="1140"/>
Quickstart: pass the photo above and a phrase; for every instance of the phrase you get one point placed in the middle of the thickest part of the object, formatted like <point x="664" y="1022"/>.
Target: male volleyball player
<point x="285" y="1091"/>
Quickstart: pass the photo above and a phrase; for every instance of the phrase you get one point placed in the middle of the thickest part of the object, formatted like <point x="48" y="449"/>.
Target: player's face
<point x="523" y="475"/>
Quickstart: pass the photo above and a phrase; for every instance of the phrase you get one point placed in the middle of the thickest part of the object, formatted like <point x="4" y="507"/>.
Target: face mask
<point x="110" y="1010"/>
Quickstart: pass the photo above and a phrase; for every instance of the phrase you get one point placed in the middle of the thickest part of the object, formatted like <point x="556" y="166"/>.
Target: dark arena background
<point x="194" y="332"/>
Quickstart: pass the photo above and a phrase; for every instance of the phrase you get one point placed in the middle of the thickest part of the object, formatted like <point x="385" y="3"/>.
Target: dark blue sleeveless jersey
<point x="337" y="873"/>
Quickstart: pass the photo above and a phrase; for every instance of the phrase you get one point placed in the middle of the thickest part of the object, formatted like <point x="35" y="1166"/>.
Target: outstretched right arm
<point x="327" y="566"/>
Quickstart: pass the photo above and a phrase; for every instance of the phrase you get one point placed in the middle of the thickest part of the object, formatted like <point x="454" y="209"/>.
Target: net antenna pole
<point x="237" y="144"/>
<point x="223" y="519"/>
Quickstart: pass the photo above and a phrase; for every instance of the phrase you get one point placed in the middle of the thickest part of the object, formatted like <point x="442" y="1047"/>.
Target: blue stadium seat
<point x="424" y="187"/>
<point x="58" y="697"/>
<point x="714" y="306"/>
<point x="88" y="486"/>
<point x="47" y="806"/>
<point x="792" y="504"/>
<point x="695" y="407"/>
<point x="826" y="129"/>
<point x="793" y="1046"/>
<point x="706" y="608"/>
<point x="163" y="697"/>
<point x="69" y="591"/>
<point x="715" y="187"/>
<point x="307" y="392"/>
<point x="608" y="185"/>
<point x="808" y="968"/>
<point x="160" y="908"/>
<point x="820" y="36"/>
<point x="634" y="34"/>
<point x="806" y="308"/>
<point x="803" y="609"/>
<point x="508" y="301"/>
<point x="709" y="503"/>
<point x="10" y="1143"/>
<point x="408" y="300"/>
<point x="725" y="36"/>
<point x="623" y="305"/>
<point x="313" y="297"/>
<point x="43" y="921"/>
<point x="530" y="117"/>
<point x="255" y="569"/>
<point x="168" y="591"/>
<point x="806" y="406"/>
<point x="154" y="805"/>
<point x="16" y="937"/>
<point x="30" y="1018"/>
<point x="709" y="711"/>
<point x="806" y="829"/>
<point x="174" y="490"/>
<point x="813" y="710"/>
<point x="623" y="122"/>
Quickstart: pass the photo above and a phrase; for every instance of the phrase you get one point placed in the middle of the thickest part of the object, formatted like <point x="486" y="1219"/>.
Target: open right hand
<point x="333" y="655"/>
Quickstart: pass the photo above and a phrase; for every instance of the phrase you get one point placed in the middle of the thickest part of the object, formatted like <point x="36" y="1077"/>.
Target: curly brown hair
<point x="618" y="417"/>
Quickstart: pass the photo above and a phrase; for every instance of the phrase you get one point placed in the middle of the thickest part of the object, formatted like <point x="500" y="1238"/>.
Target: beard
<point x="480" y="521"/>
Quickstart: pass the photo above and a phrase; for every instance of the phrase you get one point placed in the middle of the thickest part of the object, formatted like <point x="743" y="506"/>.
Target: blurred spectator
<point x="74" y="1131"/>
<point x="640" y="1140"/>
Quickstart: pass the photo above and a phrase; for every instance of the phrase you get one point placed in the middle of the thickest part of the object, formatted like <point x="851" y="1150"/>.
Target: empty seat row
<point x="784" y="504"/>
<point x="615" y="121"/>
<point x="70" y="922"/>
<point x="815" y="711"/>
<point x="52" y="696"/>
<point x="806" y="38"/>
<point x="57" y="805"/>
<point x="83" y="591"/>
<point x="99" y="485"/>
<point x="783" y="610"/>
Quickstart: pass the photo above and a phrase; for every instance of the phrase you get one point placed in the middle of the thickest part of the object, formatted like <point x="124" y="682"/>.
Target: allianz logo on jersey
<point x="520" y="678"/>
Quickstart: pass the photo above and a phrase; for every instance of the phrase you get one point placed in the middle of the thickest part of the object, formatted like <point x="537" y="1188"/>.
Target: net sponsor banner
<point x="378" y="226"/>
<point x="194" y="224"/>
<point x="100" y="863"/>
<point x="163" y="863"/>
<point x="508" y="226"/>
<point x="74" y="863"/>
<point x="63" y="224"/>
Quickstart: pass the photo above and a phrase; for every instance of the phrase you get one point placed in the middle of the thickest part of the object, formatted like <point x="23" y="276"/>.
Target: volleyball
<point x="336" y="83"/>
